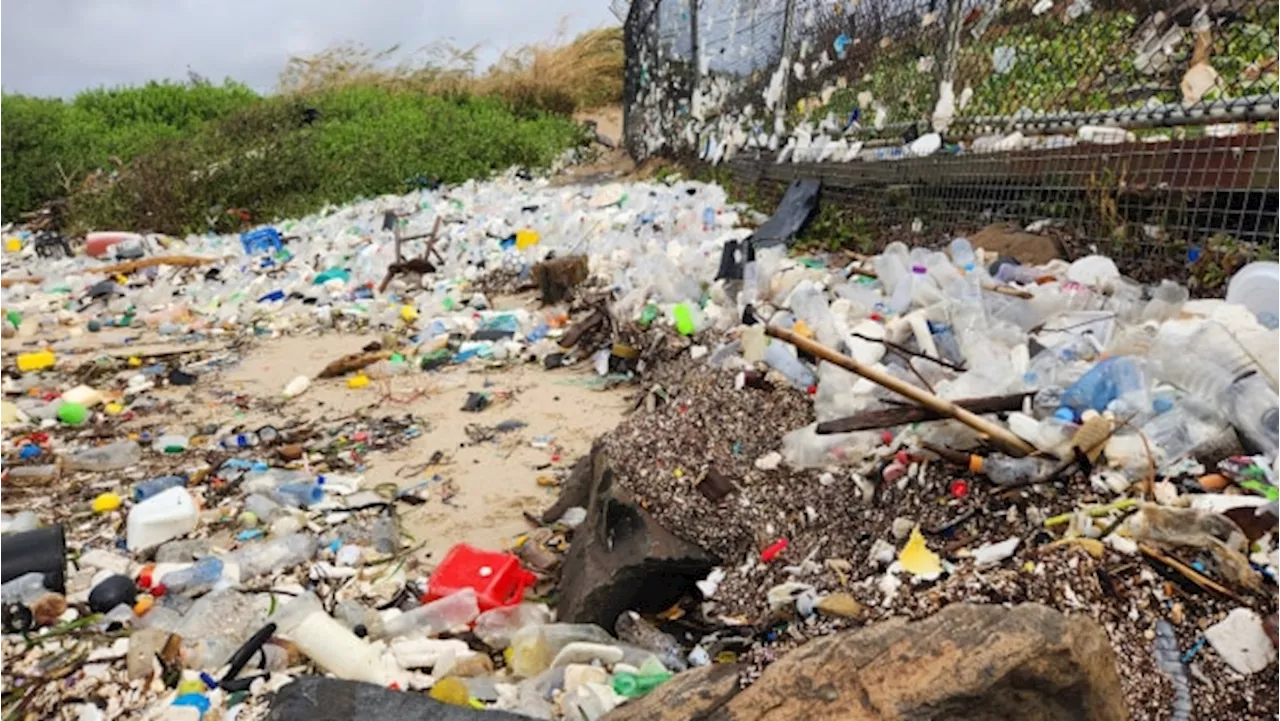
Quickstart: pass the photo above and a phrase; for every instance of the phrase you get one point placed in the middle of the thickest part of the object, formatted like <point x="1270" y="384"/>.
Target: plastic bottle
<point x="750" y="279"/>
<point x="1119" y="378"/>
<point x="786" y="363"/>
<point x="162" y="517"/>
<point x="32" y="475"/>
<point x="332" y="646"/>
<point x="962" y="254"/>
<point x="533" y="648"/>
<point x="896" y="280"/>
<point x="297" y="495"/>
<point x="171" y="443"/>
<point x="112" y="457"/>
<point x="1006" y="471"/>
<point x="455" y="611"/>
<point x="1257" y="287"/>
<point x="154" y="486"/>
<point x="297" y="387"/>
<point x="257" y="559"/>
<point x="24" y="589"/>
<point x="260" y="506"/>
<point x="644" y="680"/>
<point x="194" y="580"/>
<point x="496" y="627"/>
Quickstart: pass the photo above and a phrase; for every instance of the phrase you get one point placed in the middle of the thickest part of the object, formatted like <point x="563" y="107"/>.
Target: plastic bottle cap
<point x="975" y="464"/>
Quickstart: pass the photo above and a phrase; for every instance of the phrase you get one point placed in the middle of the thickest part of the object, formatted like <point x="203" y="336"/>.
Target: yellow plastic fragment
<point x="917" y="559"/>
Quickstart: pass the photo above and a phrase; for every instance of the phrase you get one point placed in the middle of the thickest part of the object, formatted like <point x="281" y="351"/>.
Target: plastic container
<point x="37" y="361"/>
<point x="451" y="612"/>
<point x="31" y="475"/>
<point x="43" y="550"/>
<point x="497" y="578"/>
<point x="161" y="518"/>
<point x="1257" y="287"/>
<point x="962" y="254"/>
<point x="260" y="506"/>
<point x="261" y="240"/>
<point x="155" y="486"/>
<point x="332" y="646"/>
<point x="112" y="457"/>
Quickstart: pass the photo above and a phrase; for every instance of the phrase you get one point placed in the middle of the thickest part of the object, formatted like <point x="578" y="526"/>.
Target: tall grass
<point x="558" y="77"/>
<point x="173" y="156"/>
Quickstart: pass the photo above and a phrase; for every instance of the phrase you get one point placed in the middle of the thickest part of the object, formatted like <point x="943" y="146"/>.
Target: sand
<point x="494" y="482"/>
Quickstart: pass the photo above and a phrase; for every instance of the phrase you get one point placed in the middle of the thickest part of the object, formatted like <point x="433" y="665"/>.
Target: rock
<point x="968" y="661"/>
<point x="1242" y="641"/>
<point x="840" y="605"/>
<point x="1008" y="240"/>
<point x="576" y="490"/>
<point x="621" y="559"/>
<point x="316" y="698"/>
<point x="694" y="694"/>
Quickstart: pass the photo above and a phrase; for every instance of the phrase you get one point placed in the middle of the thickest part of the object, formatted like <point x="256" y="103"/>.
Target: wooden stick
<point x="888" y="417"/>
<point x="1191" y="574"/>
<point x="1012" y="444"/>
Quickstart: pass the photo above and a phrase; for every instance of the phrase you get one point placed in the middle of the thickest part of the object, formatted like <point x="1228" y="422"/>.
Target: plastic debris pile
<point x="1071" y="437"/>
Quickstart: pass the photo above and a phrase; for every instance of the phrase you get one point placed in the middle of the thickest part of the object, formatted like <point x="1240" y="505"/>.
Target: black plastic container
<point x="43" y="550"/>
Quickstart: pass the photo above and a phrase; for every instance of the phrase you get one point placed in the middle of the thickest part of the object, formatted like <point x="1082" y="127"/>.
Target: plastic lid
<point x="1257" y="287"/>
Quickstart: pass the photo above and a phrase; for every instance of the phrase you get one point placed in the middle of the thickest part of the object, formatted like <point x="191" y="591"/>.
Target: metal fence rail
<point x="1140" y="126"/>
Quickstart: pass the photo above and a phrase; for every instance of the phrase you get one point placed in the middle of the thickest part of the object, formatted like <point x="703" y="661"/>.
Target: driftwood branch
<point x="1009" y="442"/>
<point x="889" y="417"/>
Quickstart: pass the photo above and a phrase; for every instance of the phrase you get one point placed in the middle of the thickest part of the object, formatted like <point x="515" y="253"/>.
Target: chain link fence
<point x="1145" y="130"/>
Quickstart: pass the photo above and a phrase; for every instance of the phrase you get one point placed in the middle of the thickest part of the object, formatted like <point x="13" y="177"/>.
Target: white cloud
<point x="59" y="47"/>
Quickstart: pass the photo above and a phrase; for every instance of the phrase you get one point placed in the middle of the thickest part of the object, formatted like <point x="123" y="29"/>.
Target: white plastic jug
<point x="160" y="518"/>
<point x="1257" y="287"/>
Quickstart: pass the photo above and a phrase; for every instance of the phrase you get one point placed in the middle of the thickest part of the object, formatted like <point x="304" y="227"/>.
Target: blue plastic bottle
<point x="154" y="486"/>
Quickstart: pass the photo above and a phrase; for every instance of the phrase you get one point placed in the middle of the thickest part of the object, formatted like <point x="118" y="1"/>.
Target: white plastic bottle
<point x="962" y="254"/>
<point x="332" y="646"/>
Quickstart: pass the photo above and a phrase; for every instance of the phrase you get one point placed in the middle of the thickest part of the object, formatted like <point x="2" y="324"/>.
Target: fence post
<point x="780" y="112"/>
<point x="695" y="54"/>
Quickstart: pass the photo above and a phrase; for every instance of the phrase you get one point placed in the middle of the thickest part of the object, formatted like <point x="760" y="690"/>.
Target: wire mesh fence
<point x="1144" y="129"/>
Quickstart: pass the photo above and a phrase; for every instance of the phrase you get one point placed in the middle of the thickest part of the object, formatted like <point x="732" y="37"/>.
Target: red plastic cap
<point x="770" y="553"/>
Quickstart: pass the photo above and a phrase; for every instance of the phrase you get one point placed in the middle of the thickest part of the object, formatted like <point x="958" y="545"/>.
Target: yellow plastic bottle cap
<point x="13" y="245"/>
<point x="106" y="502"/>
<point x="191" y="685"/>
<point x="358" y="381"/>
<point x="135" y="362"/>
<point x="142" y="605"/>
<point x="113" y="409"/>
<point x="408" y="313"/>
<point x="526" y="239"/>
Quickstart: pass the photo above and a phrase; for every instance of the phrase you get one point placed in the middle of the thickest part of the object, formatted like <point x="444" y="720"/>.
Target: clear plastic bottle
<point x="497" y="626"/>
<point x="32" y="475"/>
<point x="962" y="254"/>
<point x="533" y="648"/>
<point x="112" y="457"/>
<point x="896" y="280"/>
<point x="194" y="580"/>
<point x="260" y="506"/>
<point x="450" y="612"/>
<point x="786" y="363"/>
<point x="1006" y="471"/>
<point x="24" y="589"/>
<point x="257" y="559"/>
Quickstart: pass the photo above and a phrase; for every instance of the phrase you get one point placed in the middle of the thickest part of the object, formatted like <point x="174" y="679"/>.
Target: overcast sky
<point x="58" y="47"/>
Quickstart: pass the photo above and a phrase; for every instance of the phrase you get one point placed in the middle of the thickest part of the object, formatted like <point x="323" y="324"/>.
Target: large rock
<point x="317" y="698"/>
<point x="621" y="558"/>
<point x="1028" y="663"/>
<point x="693" y="694"/>
<point x="1011" y="241"/>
